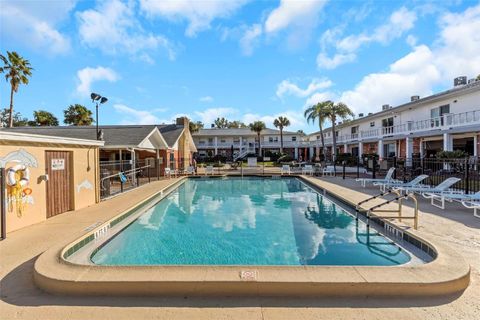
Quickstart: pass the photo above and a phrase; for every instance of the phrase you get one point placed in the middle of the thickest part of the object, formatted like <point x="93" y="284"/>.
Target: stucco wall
<point x="84" y="168"/>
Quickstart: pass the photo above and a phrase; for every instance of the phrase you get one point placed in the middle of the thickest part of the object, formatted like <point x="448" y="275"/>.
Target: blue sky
<point x="244" y="60"/>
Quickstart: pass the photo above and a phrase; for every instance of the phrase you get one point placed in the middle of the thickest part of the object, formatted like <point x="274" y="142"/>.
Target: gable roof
<point x="170" y="132"/>
<point x="238" y="132"/>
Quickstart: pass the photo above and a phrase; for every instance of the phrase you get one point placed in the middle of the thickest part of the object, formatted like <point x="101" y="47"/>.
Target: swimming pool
<point x="248" y="221"/>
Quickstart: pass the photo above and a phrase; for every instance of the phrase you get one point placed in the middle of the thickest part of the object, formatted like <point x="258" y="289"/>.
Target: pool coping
<point x="448" y="273"/>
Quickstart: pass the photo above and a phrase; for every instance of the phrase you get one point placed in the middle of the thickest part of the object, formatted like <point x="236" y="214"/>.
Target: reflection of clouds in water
<point x="150" y="220"/>
<point x="235" y="212"/>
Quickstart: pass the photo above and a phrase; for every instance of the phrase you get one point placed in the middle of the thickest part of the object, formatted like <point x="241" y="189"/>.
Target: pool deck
<point x="455" y="227"/>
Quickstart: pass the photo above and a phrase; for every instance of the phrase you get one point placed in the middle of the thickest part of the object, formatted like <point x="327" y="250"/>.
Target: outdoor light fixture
<point x="95" y="98"/>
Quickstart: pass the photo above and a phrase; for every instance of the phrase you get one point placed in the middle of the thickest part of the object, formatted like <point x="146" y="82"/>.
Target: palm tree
<point x="236" y="124"/>
<point x="318" y="112"/>
<point x="280" y="123"/>
<point x="18" y="119"/>
<point x="258" y="127"/>
<point x="195" y="126"/>
<point x="44" y="118"/>
<point x="334" y="111"/>
<point x="77" y="115"/>
<point x="17" y="71"/>
<point x="221" y="123"/>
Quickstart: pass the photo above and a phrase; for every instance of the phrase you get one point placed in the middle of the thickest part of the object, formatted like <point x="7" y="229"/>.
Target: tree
<point x="221" y="123"/>
<point x="258" y="127"/>
<point x="17" y="119"/>
<point x="17" y="70"/>
<point x="478" y="77"/>
<point x="77" y="115"/>
<point x="318" y="112"/>
<point x="195" y="126"/>
<point x="280" y="123"/>
<point x="43" y="118"/>
<point x="334" y="111"/>
<point x="236" y="124"/>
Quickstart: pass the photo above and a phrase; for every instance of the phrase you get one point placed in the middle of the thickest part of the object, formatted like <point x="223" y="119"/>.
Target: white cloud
<point x="399" y="22"/>
<point x="206" y="99"/>
<point x="292" y="12"/>
<point x="297" y="121"/>
<point x="88" y="75"/>
<point x="250" y="38"/>
<point x="199" y="14"/>
<point x="209" y="115"/>
<point x="134" y="116"/>
<point x="454" y="53"/>
<point x="319" y="97"/>
<point x="113" y="28"/>
<point x="286" y="87"/>
<point x="411" y="40"/>
<point x="33" y="23"/>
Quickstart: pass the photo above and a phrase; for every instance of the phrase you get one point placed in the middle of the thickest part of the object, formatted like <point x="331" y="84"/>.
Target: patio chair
<point x="285" y="169"/>
<point x="169" y="172"/>
<point x="307" y="169"/>
<point x="469" y="201"/>
<point x="397" y="184"/>
<point x="388" y="178"/>
<point x="439" y="192"/>
<point x="328" y="170"/>
<point x="209" y="170"/>
<point x="190" y="170"/>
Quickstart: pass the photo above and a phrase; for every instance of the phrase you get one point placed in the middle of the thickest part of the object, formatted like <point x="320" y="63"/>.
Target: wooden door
<point x="59" y="184"/>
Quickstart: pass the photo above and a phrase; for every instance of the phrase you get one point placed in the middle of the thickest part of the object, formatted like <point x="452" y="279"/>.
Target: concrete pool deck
<point x="21" y="299"/>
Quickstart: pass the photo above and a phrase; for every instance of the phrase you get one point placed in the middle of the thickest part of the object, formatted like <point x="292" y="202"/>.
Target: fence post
<point x="158" y="169"/>
<point x="148" y="174"/>
<point x="121" y="185"/>
<point x="343" y="173"/>
<point x="374" y="164"/>
<point x="395" y="166"/>
<point x="358" y="168"/>
<point x="467" y="175"/>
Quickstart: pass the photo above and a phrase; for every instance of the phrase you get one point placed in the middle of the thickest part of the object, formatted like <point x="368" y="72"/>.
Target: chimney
<point x="459" y="81"/>
<point x="385" y="107"/>
<point x="182" y="121"/>
<point x="414" y="98"/>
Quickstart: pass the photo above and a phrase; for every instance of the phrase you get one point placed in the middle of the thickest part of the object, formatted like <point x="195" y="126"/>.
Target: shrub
<point x="457" y="154"/>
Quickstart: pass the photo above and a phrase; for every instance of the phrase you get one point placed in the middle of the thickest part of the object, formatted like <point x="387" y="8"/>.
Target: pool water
<point x="248" y="221"/>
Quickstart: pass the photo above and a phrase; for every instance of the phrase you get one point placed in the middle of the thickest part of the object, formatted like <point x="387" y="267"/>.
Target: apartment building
<point x="242" y="141"/>
<point x="448" y="120"/>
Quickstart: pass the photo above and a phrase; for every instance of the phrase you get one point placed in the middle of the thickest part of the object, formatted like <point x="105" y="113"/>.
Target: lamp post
<point x="97" y="98"/>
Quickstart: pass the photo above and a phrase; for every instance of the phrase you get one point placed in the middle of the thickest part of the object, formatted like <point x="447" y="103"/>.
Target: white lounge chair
<point x="307" y="169"/>
<point x="285" y="169"/>
<point x="469" y="201"/>
<point x="397" y="184"/>
<point x="190" y="170"/>
<point x="439" y="192"/>
<point x="170" y="172"/>
<point x="329" y="171"/>
<point x="209" y="170"/>
<point x="388" y="178"/>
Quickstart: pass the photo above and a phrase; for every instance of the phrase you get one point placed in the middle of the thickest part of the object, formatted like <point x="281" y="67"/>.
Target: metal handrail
<point x="127" y="172"/>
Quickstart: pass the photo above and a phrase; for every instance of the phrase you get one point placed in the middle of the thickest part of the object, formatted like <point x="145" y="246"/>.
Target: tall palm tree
<point x="318" y="112"/>
<point x="333" y="112"/>
<point x="17" y="70"/>
<point x="77" y="115"/>
<point x="258" y="127"/>
<point x="221" y="123"/>
<point x="280" y="123"/>
<point x="44" y="118"/>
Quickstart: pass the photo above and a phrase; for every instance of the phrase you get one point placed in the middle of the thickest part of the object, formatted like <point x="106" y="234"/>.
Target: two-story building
<point x="448" y="120"/>
<point x="242" y="141"/>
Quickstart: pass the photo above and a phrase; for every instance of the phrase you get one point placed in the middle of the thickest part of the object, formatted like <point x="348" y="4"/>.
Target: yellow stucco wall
<point x="84" y="167"/>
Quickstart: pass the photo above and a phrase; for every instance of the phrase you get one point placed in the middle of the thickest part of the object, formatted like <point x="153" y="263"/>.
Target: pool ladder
<point x="399" y="197"/>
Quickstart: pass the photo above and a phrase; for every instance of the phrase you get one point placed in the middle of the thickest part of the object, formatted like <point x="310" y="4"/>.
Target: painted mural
<point x="19" y="195"/>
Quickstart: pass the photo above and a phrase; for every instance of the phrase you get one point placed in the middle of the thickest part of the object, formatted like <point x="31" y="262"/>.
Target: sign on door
<point x="58" y="164"/>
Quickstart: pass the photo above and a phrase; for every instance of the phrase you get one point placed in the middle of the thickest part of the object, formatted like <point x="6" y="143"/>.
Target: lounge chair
<point x="285" y="169"/>
<point x="388" y="178"/>
<point x="190" y="170"/>
<point x="209" y="170"/>
<point x="169" y="172"/>
<point x="469" y="201"/>
<point x="329" y="171"/>
<point x="397" y="184"/>
<point x="307" y="169"/>
<point x="439" y="192"/>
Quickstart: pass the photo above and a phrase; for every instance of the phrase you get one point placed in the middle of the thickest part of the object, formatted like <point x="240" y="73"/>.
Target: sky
<point x="239" y="59"/>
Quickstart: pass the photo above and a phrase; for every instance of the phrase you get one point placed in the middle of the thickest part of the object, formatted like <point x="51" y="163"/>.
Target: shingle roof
<point x="170" y="132"/>
<point x="237" y="131"/>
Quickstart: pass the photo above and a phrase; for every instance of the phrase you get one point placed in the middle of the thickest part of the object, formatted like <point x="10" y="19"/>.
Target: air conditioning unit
<point x="414" y="98"/>
<point x="212" y="126"/>
<point x="473" y="80"/>
<point x="370" y="113"/>
<point x="386" y="107"/>
<point x="460" y="81"/>
<point x="360" y="115"/>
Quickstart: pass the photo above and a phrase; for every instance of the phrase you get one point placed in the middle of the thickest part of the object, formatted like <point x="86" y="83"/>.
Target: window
<point x="222" y="140"/>
<point x="354" y="130"/>
<point x="210" y="140"/>
<point x="388" y="122"/>
<point x="318" y="137"/>
<point x="437" y="115"/>
<point x="294" y="139"/>
<point x="372" y="124"/>
<point x="150" y="162"/>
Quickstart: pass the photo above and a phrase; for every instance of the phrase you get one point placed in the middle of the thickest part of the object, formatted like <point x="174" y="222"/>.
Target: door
<point x="59" y="184"/>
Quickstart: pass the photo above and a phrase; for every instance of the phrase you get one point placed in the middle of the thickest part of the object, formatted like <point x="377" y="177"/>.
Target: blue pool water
<point x="249" y="221"/>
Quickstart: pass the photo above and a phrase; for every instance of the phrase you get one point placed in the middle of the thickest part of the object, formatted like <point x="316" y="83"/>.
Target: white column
<point x="360" y="149"/>
<point x="296" y="153"/>
<point x="133" y="167"/>
<point x="380" y="149"/>
<point x="216" y="146"/>
<point x="447" y="142"/>
<point x="408" y="150"/>
<point x="345" y="148"/>
<point x="311" y="152"/>
<point x="241" y="144"/>
<point x="422" y="151"/>
<point x="475" y="145"/>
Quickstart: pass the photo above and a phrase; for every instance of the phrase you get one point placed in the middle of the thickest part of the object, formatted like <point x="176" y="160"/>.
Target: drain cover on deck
<point x="248" y="275"/>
